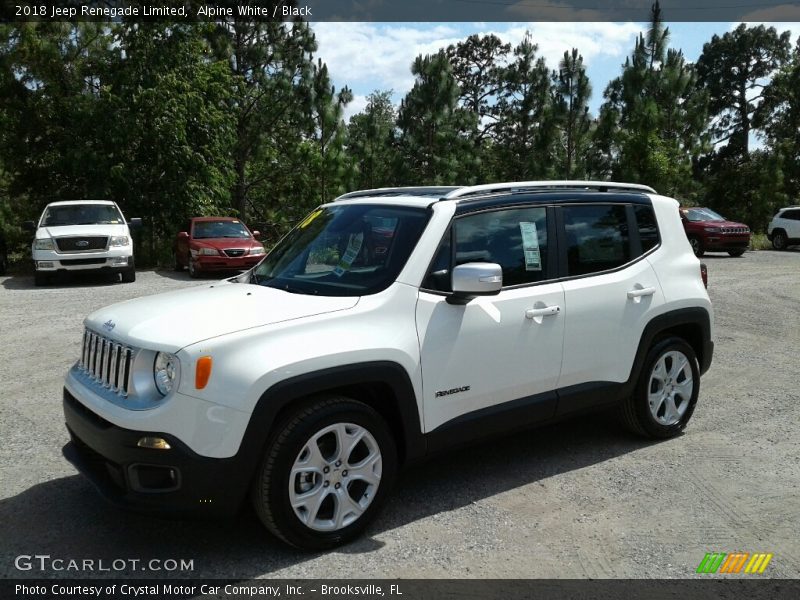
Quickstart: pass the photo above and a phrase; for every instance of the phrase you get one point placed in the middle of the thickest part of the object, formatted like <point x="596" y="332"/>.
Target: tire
<point x="779" y="240"/>
<point x="193" y="272"/>
<point x="129" y="274"/>
<point x="697" y="246"/>
<point x="40" y="279"/>
<point x="663" y="366"/>
<point x="322" y="522"/>
<point x="3" y="264"/>
<point x="176" y="264"/>
<point x="736" y="253"/>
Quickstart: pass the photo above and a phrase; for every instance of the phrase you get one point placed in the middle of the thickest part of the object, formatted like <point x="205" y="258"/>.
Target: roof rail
<point x="430" y="190"/>
<point x="520" y="186"/>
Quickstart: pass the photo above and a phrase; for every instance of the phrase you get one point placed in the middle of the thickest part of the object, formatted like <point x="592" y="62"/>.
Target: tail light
<point x="704" y="274"/>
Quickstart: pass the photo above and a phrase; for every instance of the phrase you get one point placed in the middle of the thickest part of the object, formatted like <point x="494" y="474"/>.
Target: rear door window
<point x="597" y="238"/>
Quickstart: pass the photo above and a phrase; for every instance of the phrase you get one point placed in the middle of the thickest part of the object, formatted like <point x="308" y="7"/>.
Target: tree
<point x="734" y="69"/>
<point x="371" y="142"/>
<point x="573" y="90"/>
<point x="435" y="131"/>
<point x="527" y="126"/>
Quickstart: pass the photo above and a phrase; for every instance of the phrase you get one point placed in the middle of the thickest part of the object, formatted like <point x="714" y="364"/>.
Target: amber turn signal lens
<point x="202" y="372"/>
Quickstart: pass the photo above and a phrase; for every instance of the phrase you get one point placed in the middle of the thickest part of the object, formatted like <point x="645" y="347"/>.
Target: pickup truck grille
<point x="107" y="362"/>
<point x="81" y="243"/>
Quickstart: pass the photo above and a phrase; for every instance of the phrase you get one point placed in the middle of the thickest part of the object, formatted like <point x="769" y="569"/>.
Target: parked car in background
<point x="3" y="254"/>
<point x="784" y="229"/>
<point x="209" y="244"/>
<point x="711" y="232"/>
<point x="82" y="235"/>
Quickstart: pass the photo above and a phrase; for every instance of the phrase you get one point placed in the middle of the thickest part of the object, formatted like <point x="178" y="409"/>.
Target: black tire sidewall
<point x="652" y="427"/>
<point x="700" y="250"/>
<point x="285" y="452"/>
<point x="779" y="241"/>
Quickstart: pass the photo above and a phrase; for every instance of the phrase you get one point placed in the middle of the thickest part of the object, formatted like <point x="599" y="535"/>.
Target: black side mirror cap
<point x="135" y="222"/>
<point x="29" y="226"/>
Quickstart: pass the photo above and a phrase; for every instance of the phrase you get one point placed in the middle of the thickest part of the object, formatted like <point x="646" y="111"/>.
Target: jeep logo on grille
<point x="81" y="243"/>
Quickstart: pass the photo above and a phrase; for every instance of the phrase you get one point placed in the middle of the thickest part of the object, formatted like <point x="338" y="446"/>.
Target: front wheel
<point x="129" y="274"/>
<point x="736" y="253"/>
<point x="665" y="395"/>
<point x="193" y="272"/>
<point x="779" y="240"/>
<point x="697" y="246"/>
<point x="326" y="471"/>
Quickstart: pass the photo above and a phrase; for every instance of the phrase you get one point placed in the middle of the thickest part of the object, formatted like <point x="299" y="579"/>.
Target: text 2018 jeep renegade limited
<point x="388" y="325"/>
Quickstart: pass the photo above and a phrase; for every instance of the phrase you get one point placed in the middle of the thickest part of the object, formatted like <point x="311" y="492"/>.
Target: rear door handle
<point x="532" y="313"/>
<point x="648" y="291"/>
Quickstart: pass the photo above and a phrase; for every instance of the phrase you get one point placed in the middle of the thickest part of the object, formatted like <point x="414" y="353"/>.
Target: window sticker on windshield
<point x="307" y="221"/>
<point x="530" y="246"/>
<point x="353" y="248"/>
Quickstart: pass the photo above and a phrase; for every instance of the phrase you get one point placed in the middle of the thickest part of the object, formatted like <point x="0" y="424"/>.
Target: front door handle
<point x="532" y="313"/>
<point x="648" y="291"/>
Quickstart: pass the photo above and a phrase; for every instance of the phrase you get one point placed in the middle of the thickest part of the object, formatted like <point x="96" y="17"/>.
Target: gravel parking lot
<point x="578" y="499"/>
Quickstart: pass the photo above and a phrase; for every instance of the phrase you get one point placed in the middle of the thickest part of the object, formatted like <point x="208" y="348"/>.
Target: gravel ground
<point x="580" y="499"/>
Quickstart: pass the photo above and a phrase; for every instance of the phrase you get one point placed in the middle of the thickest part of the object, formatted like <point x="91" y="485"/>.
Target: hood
<point x="722" y="223"/>
<point x="79" y="230"/>
<point x="225" y="243"/>
<point x="174" y="320"/>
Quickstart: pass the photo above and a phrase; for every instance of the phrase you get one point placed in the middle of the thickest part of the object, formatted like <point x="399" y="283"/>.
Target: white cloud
<point x="357" y="104"/>
<point x="369" y="56"/>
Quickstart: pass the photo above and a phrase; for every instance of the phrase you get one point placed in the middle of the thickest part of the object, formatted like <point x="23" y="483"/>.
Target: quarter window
<point x="597" y="238"/>
<point x="648" y="226"/>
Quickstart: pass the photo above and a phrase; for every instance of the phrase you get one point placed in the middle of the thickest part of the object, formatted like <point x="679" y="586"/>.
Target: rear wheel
<point x="325" y="473"/>
<point x="779" y="240"/>
<point x="736" y="253"/>
<point x="697" y="246"/>
<point x="665" y="395"/>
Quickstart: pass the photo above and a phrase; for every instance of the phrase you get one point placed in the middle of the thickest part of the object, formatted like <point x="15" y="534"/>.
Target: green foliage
<point x="371" y="143"/>
<point x="572" y="93"/>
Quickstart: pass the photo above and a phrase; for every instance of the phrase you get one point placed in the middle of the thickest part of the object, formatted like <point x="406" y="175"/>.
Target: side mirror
<point x="475" y="279"/>
<point x="183" y="235"/>
<point x="29" y="226"/>
<point x="257" y="235"/>
<point x="134" y="223"/>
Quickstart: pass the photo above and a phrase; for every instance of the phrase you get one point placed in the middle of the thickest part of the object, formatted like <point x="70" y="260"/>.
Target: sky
<point x="378" y="56"/>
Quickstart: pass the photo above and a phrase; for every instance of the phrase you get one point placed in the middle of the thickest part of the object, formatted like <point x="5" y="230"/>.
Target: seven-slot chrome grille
<point x="107" y="362"/>
<point x="735" y="230"/>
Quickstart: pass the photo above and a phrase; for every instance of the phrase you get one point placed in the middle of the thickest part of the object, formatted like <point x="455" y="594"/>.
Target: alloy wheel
<point x="671" y="386"/>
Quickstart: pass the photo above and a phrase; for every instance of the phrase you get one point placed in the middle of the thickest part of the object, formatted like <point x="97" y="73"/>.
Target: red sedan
<point x="216" y="244"/>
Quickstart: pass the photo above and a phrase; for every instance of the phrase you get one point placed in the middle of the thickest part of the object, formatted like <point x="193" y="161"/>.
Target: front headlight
<point x="165" y="372"/>
<point x="712" y="229"/>
<point x="256" y="251"/>
<point x="43" y="244"/>
<point x="119" y="240"/>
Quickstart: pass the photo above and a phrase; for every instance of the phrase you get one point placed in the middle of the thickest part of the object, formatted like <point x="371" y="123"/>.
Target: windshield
<point x="346" y="250"/>
<point x="702" y="214"/>
<point x="81" y="214"/>
<point x="204" y="230"/>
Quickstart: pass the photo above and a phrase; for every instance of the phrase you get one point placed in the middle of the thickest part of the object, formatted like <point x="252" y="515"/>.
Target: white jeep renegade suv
<point x="388" y="325"/>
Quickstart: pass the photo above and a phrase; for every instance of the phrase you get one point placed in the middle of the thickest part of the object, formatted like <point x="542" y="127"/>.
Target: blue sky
<point x="370" y="56"/>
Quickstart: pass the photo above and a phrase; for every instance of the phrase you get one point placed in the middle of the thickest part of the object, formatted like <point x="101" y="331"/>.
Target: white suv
<point x="784" y="229"/>
<point x="81" y="235"/>
<point x="387" y="326"/>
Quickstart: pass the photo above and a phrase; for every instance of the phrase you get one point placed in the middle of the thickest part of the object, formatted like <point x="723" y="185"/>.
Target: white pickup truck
<point x="80" y="235"/>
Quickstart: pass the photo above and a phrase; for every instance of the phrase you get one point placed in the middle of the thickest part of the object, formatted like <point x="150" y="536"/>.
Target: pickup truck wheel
<point x="326" y="471"/>
<point x="779" y="240"/>
<point x="129" y="274"/>
<point x="697" y="246"/>
<point x="665" y="395"/>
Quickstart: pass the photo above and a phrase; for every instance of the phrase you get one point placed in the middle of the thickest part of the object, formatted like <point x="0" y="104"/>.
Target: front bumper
<point x="725" y="242"/>
<point x="176" y="481"/>
<point x="48" y="261"/>
<point x="226" y="263"/>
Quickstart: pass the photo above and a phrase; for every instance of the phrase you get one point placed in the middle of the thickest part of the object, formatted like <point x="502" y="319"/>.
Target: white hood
<point x="174" y="320"/>
<point x="79" y="230"/>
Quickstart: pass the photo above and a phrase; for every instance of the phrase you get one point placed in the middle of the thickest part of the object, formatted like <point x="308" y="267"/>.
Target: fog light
<point x="155" y="443"/>
<point x="44" y="265"/>
<point x="119" y="260"/>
